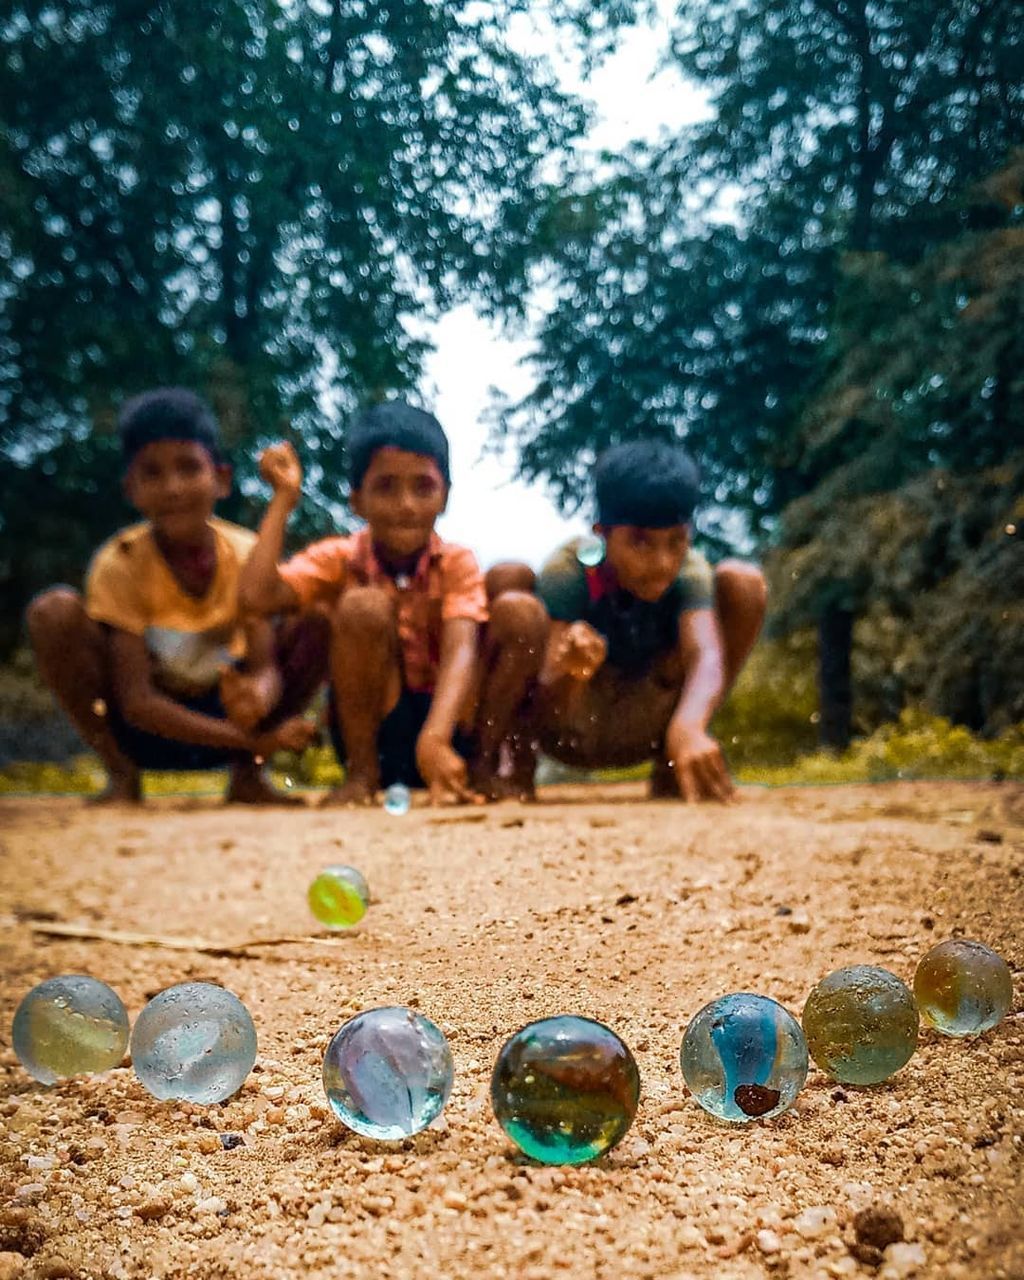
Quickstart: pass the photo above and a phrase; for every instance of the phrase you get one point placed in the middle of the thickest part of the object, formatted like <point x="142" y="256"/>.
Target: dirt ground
<point x="594" y="902"/>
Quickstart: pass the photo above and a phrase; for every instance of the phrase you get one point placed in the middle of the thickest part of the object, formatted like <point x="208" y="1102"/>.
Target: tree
<point x="838" y="125"/>
<point x="917" y="435"/>
<point x="254" y="198"/>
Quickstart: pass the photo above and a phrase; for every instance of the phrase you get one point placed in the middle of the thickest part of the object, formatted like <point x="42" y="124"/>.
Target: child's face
<point x="175" y="485"/>
<point x="400" y="498"/>
<point x="646" y="561"/>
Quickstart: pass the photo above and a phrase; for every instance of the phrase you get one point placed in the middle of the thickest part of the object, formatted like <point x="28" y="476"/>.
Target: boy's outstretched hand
<point x="248" y="697"/>
<point x="444" y="771"/>
<point x="698" y="763"/>
<point x="281" y="469"/>
<point x="578" y="652"/>
<point x="294" y="734"/>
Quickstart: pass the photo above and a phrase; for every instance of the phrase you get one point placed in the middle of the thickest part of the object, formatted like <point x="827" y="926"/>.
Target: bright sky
<point x="499" y="517"/>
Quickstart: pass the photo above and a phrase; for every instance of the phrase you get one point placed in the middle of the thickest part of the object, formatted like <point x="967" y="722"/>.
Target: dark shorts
<point x="396" y="738"/>
<point x="150" y="751"/>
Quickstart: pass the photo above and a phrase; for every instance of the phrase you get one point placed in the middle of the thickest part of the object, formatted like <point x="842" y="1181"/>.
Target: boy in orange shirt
<point x="406" y="611"/>
<point x="156" y="668"/>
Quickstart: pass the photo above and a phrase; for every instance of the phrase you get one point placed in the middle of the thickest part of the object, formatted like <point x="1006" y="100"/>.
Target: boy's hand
<point x="247" y="697"/>
<point x="281" y="469"/>
<point x="698" y="763"/>
<point x="294" y="734"/>
<point x="579" y="651"/>
<point x="444" y="771"/>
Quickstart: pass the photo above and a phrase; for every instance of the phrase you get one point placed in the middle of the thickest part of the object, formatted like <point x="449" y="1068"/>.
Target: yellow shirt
<point x="130" y="586"/>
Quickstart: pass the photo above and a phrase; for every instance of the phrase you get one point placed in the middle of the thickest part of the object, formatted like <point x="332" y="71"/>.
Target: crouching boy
<point x="645" y="643"/>
<point x="406" y="608"/>
<point x="156" y="667"/>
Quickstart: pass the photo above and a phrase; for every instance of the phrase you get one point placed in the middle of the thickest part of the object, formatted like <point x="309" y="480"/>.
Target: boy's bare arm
<point x="575" y="651"/>
<point x="261" y="589"/>
<point x="250" y="692"/>
<point x="443" y="769"/>
<point x="694" y="754"/>
<point x="147" y="707"/>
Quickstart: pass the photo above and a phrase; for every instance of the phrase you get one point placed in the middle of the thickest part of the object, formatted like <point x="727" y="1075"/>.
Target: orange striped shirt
<point x="446" y="583"/>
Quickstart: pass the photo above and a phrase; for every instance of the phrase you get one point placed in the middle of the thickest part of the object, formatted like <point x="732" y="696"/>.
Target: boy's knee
<point x="740" y="581"/>
<point x="510" y="575"/>
<point x="366" y="610"/>
<point x="517" y="617"/>
<point x="54" y="611"/>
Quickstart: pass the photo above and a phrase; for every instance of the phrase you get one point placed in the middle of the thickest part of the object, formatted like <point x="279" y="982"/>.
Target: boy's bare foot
<point x="248" y="784"/>
<point x="121" y="788"/>
<point x="354" y="792"/>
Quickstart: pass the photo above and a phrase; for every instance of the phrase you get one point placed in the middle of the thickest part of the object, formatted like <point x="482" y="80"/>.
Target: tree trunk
<point x="835" y="642"/>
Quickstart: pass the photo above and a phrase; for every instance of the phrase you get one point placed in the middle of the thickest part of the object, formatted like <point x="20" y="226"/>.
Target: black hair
<point x="168" y="413"/>
<point x="646" y="483"/>
<point x="395" y="425"/>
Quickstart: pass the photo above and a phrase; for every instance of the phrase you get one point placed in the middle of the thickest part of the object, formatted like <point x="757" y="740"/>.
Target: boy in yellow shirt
<point x="156" y="667"/>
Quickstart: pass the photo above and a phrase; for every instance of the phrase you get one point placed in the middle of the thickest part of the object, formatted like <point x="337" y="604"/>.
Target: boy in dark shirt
<point x="645" y="643"/>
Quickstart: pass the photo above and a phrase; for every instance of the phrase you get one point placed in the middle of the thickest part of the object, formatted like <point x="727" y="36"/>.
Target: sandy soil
<point x="593" y="902"/>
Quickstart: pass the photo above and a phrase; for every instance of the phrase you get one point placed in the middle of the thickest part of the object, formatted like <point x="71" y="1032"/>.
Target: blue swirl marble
<point x="744" y="1057"/>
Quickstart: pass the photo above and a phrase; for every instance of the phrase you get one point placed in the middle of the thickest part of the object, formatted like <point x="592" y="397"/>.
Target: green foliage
<point x="770" y="717"/>
<point x="253" y="199"/>
<point x="917" y="746"/>
<point x="838" y="126"/>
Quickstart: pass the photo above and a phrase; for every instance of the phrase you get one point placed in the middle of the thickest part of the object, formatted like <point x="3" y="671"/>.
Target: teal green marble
<point x="565" y="1089"/>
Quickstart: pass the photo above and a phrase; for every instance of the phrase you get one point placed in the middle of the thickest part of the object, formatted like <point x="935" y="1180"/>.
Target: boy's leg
<point x="302" y="645"/>
<point x="72" y="658"/>
<point x="512" y="653"/>
<point x="303" y="656"/>
<point x="366" y="675"/>
<point x="741" y="598"/>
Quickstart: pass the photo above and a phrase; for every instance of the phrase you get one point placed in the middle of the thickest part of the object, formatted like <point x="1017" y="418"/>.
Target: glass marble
<point x="397" y="800"/>
<point x="388" y="1073"/>
<point x="963" y="988"/>
<point x="744" y="1057"/>
<point x="565" y="1089"/>
<point x="590" y="551"/>
<point x="339" y="896"/>
<point x="861" y="1024"/>
<point x="195" y="1041"/>
<point x="69" y="1026"/>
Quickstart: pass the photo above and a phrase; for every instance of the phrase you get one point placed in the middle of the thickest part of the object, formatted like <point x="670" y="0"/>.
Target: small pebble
<point x="902" y="1260"/>
<point x="814" y="1222"/>
<point x="768" y="1242"/>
